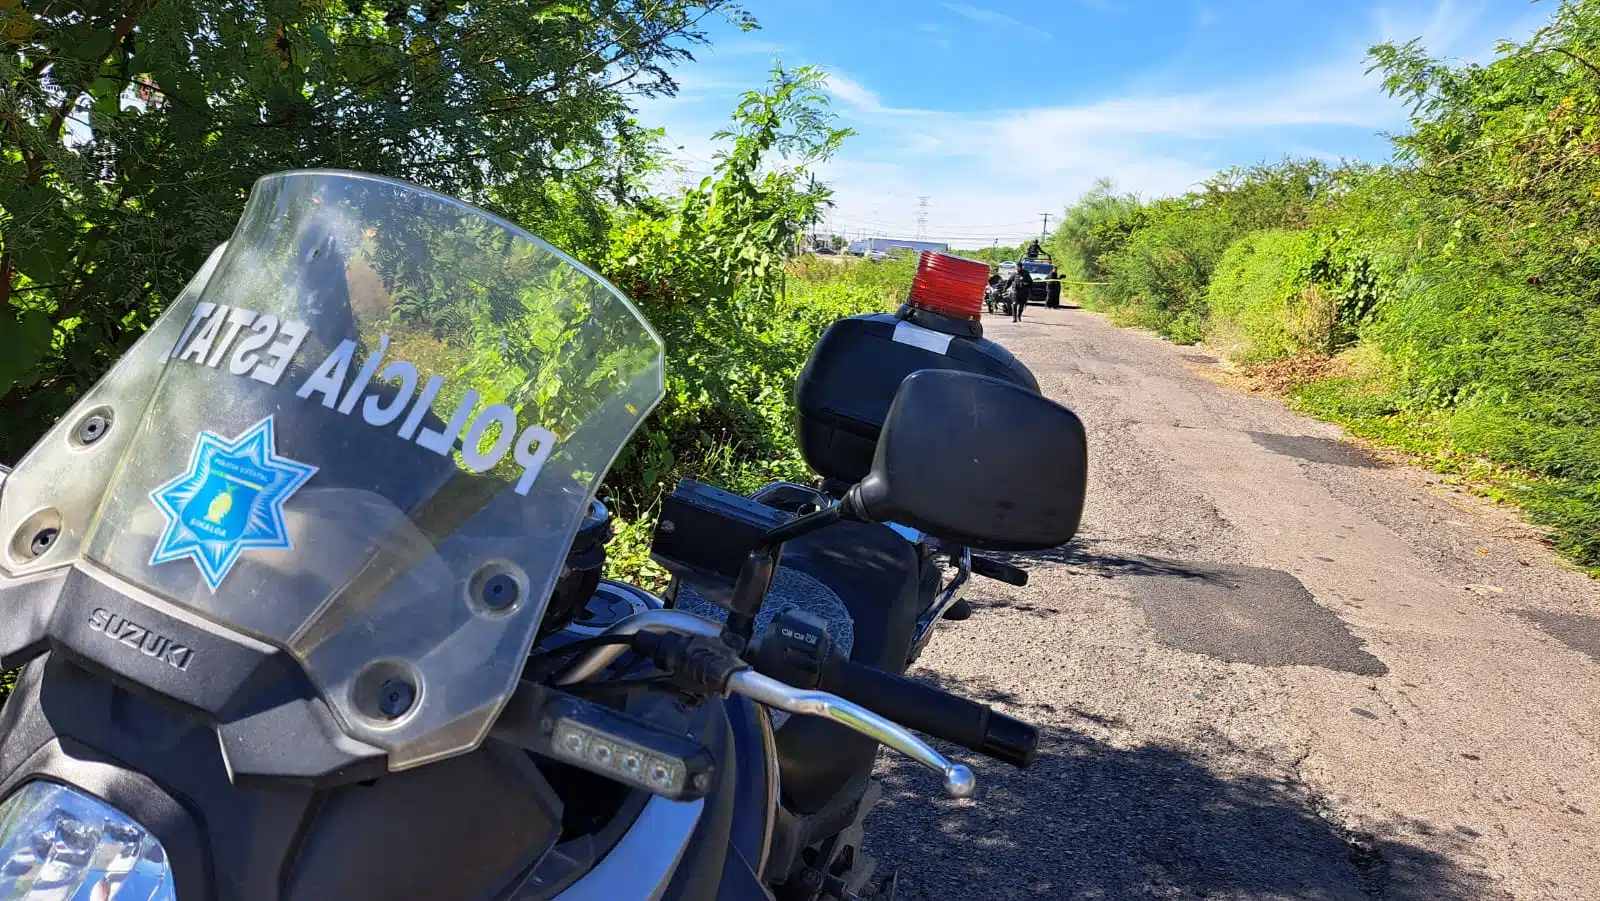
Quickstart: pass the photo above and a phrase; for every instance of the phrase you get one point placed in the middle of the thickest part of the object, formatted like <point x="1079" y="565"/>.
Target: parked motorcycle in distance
<point x="994" y="297"/>
<point x="307" y="592"/>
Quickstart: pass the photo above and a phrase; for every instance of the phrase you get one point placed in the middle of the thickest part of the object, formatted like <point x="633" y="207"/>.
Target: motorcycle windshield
<point x="371" y="443"/>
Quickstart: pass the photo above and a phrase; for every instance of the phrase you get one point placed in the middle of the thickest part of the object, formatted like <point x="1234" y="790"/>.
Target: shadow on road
<point x="1083" y="553"/>
<point x="1036" y="319"/>
<point x="1090" y="820"/>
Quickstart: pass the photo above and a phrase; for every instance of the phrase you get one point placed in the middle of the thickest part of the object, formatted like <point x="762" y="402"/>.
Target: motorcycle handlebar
<point x="1000" y="572"/>
<point x="932" y="711"/>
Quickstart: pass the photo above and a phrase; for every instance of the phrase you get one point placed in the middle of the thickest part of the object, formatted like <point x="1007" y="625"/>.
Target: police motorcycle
<point x="307" y="592"/>
<point x="994" y="297"/>
<point x="841" y="399"/>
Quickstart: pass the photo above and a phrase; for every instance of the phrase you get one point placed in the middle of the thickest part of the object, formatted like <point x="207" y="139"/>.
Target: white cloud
<point x="984" y="16"/>
<point x="745" y="47"/>
<point x="989" y="173"/>
<point x="698" y="83"/>
<point x="854" y="93"/>
<point x="971" y="206"/>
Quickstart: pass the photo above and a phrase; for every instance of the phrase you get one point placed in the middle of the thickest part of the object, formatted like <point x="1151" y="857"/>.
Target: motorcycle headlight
<point x="58" y="844"/>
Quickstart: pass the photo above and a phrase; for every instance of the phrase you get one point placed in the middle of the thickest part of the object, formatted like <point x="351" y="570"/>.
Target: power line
<point x="980" y="237"/>
<point x="984" y="233"/>
<point x="865" y="217"/>
<point x="964" y="226"/>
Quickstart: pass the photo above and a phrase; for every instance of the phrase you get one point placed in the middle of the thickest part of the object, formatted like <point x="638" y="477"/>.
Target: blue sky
<point x="999" y="110"/>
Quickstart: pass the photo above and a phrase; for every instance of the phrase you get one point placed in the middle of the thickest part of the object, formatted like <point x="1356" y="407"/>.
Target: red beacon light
<point x="949" y="286"/>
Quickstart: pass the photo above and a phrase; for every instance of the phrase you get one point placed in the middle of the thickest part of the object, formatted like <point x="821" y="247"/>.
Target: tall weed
<point x="714" y="269"/>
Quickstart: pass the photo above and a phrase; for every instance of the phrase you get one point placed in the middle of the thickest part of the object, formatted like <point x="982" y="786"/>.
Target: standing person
<point x="1021" y="287"/>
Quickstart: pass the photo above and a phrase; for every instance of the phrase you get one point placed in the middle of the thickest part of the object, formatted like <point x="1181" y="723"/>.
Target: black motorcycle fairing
<point x="378" y="840"/>
<point x="875" y="572"/>
<point x="739" y="880"/>
<point x="490" y="840"/>
<point x="270" y="721"/>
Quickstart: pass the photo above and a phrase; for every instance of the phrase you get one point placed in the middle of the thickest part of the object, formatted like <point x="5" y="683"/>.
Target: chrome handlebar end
<point x="959" y="782"/>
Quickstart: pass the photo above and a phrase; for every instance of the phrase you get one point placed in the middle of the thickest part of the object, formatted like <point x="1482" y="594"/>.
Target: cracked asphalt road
<point x="1273" y="665"/>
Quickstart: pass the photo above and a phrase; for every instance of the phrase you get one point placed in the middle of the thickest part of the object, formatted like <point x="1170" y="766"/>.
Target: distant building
<point x="887" y="244"/>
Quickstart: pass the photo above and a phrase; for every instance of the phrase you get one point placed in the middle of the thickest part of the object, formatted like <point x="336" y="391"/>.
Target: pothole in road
<point x="1245" y="614"/>
<point x="1576" y="631"/>
<point x="1316" y="450"/>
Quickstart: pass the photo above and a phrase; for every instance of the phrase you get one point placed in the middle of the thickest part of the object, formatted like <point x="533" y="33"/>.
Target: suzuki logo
<point x="148" y="642"/>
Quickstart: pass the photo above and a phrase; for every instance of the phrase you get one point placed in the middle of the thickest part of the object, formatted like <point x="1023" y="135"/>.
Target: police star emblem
<point x="228" y="501"/>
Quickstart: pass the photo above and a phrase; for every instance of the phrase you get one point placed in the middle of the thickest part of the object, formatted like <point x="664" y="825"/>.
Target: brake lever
<point x="959" y="782"/>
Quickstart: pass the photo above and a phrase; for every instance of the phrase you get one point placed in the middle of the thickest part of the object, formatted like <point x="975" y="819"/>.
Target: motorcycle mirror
<point x="979" y="461"/>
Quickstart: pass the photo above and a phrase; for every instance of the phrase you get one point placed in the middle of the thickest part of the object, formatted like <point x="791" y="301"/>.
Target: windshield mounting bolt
<point x="93" y="429"/>
<point x="42" y="540"/>
<point x="499" y="591"/>
<point x="395" y="697"/>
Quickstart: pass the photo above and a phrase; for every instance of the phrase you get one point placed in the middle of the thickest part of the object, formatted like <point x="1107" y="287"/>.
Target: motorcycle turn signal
<point x="606" y="742"/>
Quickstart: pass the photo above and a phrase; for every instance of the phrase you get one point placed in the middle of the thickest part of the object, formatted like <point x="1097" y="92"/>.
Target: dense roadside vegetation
<point x="994" y="255"/>
<point x="131" y="130"/>
<point x="1447" y="304"/>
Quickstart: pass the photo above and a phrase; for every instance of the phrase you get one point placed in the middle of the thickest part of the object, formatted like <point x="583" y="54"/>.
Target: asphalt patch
<point x="1245" y="614"/>
<point x="1576" y="631"/>
<point x="1316" y="450"/>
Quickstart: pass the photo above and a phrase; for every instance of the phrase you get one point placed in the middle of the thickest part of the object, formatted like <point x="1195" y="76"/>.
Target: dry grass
<point x="1277" y="379"/>
<point x="1280" y="377"/>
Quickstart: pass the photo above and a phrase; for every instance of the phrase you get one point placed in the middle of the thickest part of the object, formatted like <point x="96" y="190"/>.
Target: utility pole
<point x="1044" y="230"/>
<point x="994" y="251"/>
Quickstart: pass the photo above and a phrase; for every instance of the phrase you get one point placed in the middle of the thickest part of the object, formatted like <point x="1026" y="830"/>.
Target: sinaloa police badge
<point x="229" y="500"/>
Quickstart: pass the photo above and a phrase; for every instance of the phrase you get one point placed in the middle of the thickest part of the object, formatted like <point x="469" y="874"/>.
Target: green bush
<point x="712" y="270"/>
<point x="1495" y="315"/>
<point x="1158" y="258"/>
<point x="133" y="132"/>
<point x="1158" y="278"/>
<point x="1095" y="224"/>
<point x="1260" y="305"/>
